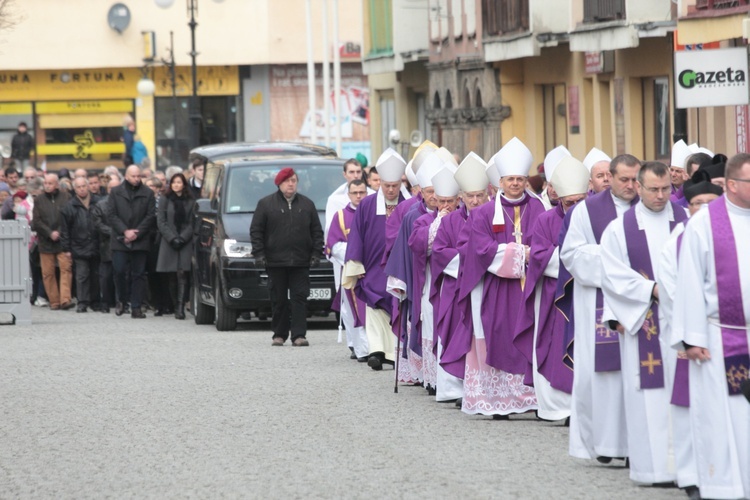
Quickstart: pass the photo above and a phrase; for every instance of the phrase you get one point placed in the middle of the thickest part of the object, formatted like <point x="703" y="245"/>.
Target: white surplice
<point x="356" y="337"/>
<point x="597" y="421"/>
<point x="720" y="423"/>
<point x="681" y="438"/>
<point x="628" y="295"/>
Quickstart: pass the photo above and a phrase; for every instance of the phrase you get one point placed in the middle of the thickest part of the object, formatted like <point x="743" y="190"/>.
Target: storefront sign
<point x="600" y="62"/>
<point x="574" y="110"/>
<point x="212" y="80"/>
<point x="711" y="78"/>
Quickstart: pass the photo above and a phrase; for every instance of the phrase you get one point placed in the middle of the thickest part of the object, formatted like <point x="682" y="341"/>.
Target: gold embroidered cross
<point x="651" y="363"/>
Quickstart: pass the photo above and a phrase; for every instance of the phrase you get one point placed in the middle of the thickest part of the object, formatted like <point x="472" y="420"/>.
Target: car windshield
<point x="248" y="184"/>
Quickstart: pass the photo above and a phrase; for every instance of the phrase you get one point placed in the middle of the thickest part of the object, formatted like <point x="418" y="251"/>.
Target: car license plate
<point x="319" y="294"/>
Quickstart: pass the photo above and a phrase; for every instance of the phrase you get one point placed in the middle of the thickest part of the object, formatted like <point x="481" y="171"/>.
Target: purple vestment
<point x="338" y="233"/>
<point x="366" y="245"/>
<point x="393" y="224"/>
<point x="678" y="196"/>
<point x="551" y="323"/>
<point x="444" y="292"/>
<point x="400" y="265"/>
<point x="502" y="298"/>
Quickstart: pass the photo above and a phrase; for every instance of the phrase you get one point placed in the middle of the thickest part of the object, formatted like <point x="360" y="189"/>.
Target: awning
<point x="709" y="29"/>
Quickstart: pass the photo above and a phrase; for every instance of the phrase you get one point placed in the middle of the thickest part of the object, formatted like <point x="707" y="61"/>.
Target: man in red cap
<point x="287" y="239"/>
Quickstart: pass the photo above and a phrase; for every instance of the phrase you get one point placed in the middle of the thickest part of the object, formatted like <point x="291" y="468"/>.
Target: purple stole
<point x="649" y="350"/>
<point x="602" y="211"/>
<point x="678" y="196"/>
<point x="731" y="314"/>
<point x="681" y="385"/>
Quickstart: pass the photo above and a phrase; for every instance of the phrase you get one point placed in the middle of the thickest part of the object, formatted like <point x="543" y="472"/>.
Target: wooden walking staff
<point x="398" y="345"/>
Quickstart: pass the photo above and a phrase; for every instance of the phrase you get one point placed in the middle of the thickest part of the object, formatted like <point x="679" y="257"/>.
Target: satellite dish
<point x="415" y="138"/>
<point x="394" y="136"/>
<point x="118" y="17"/>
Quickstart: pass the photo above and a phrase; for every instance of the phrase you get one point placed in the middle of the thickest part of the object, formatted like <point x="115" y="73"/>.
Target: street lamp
<point x="193" y="111"/>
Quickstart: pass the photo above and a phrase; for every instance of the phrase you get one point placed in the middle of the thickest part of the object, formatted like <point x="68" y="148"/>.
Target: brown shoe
<point x="301" y="342"/>
<point x="67" y="305"/>
<point x="277" y="342"/>
<point x="54" y="308"/>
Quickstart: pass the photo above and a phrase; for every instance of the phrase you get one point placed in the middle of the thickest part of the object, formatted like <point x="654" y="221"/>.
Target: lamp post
<point x="194" y="113"/>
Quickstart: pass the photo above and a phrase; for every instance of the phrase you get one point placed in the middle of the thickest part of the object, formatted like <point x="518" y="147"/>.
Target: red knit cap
<point x="284" y="174"/>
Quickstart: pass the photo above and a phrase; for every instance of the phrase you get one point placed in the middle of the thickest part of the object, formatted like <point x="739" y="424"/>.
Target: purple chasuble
<point x="729" y="288"/>
<point x="418" y="242"/>
<point x="551" y="323"/>
<point x="602" y="211"/>
<point x="649" y="350"/>
<point x="393" y="224"/>
<point x="337" y="233"/>
<point x="399" y="265"/>
<point x="502" y="298"/>
<point x="453" y="323"/>
<point x="564" y="299"/>
<point x="366" y="245"/>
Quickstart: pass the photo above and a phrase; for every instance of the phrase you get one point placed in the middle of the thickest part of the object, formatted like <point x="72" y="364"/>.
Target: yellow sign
<point x="111" y="83"/>
<point x="76" y="107"/>
<point x="15" y="108"/>
<point x="212" y="80"/>
<point x="82" y="148"/>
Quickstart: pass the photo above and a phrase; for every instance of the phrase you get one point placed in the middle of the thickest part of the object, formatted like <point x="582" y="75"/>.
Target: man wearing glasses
<point x="352" y="310"/>
<point x="630" y="261"/>
<point x="711" y="316"/>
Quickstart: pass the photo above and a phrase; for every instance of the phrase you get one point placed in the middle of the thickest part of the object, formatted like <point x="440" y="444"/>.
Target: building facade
<point x="76" y="95"/>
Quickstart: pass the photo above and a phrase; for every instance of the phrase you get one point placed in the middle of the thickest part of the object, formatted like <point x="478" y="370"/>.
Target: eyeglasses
<point x="739" y="180"/>
<point x="656" y="190"/>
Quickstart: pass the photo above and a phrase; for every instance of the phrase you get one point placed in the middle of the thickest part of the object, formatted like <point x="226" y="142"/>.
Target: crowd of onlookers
<point x="109" y="239"/>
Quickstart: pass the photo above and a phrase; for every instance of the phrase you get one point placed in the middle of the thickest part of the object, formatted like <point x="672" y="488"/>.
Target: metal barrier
<point x="15" y="275"/>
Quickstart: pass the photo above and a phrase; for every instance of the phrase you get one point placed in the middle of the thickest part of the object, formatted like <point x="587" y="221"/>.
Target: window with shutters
<point x="596" y="11"/>
<point x="502" y="17"/>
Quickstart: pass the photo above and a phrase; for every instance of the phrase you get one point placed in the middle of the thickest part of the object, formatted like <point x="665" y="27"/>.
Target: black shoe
<point x="604" y="460"/>
<point x="352" y="355"/>
<point x="666" y="484"/>
<point x="179" y="312"/>
<point x="67" y="305"/>
<point x="567" y="422"/>
<point x="693" y="492"/>
<point x="127" y="309"/>
<point x="104" y="309"/>
<point x="500" y="417"/>
<point x="375" y="362"/>
<point x="459" y="402"/>
<point x="432" y="391"/>
<point x="81" y="308"/>
<point x="363" y="359"/>
<point x="119" y="309"/>
<point x="137" y="313"/>
<point x="96" y="307"/>
<point x="159" y="312"/>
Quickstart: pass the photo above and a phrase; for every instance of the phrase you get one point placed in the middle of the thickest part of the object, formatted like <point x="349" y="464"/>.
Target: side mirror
<point x="205" y="207"/>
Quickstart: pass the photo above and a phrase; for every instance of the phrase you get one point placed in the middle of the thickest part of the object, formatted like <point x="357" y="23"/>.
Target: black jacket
<point x="21" y="146"/>
<point x="99" y="215"/>
<point x="78" y="232"/>
<point x="284" y="236"/>
<point x="131" y="208"/>
<point x="46" y="219"/>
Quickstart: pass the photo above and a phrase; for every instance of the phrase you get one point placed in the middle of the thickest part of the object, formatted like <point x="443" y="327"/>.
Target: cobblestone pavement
<point x="99" y="406"/>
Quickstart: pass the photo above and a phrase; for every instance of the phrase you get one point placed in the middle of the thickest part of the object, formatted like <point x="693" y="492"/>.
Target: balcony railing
<point x="596" y="11"/>
<point x="720" y="4"/>
<point x="502" y="17"/>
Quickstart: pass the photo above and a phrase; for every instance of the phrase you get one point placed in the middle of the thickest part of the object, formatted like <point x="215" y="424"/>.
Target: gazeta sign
<point x="707" y="78"/>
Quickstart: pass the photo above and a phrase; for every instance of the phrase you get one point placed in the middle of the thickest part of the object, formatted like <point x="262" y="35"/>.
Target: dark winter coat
<point x="78" y="232"/>
<point x="99" y="215"/>
<point x="171" y="260"/>
<point x="46" y="219"/>
<point x="131" y="207"/>
<point x="286" y="234"/>
<point x="21" y="146"/>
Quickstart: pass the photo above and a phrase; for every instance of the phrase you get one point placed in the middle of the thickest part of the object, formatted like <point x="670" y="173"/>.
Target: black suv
<point x="226" y="279"/>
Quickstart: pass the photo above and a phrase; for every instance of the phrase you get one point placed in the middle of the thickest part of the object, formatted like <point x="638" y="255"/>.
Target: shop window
<point x="387" y="119"/>
<point x="656" y="118"/>
<point x="11" y="114"/>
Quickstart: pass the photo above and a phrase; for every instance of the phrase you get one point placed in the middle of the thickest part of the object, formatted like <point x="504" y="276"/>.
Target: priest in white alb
<point x="631" y="247"/>
<point x="711" y="316"/>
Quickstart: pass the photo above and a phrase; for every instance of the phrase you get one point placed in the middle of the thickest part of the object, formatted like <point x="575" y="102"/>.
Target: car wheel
<point x="226" y="319"/>
<point x="202" y="314"/>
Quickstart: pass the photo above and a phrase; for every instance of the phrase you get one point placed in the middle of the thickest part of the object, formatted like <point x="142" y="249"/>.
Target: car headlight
<point x="234" y="248"/>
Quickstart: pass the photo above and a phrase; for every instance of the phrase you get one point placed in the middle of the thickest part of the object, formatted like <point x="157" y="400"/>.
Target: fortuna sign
<point x="711" y="78"/>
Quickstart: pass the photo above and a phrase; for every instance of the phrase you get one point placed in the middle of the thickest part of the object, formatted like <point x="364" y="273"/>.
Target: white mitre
<point x="595" y="156"/>
<point x="430" y="166"/>
<point x="444" y="183"/>
<point x="680" y="153"/>
<point x="553" y="158"/>
<point x="570" y="177"/>
<point x="471" y="174"/>
<point x="391" y="166"/>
